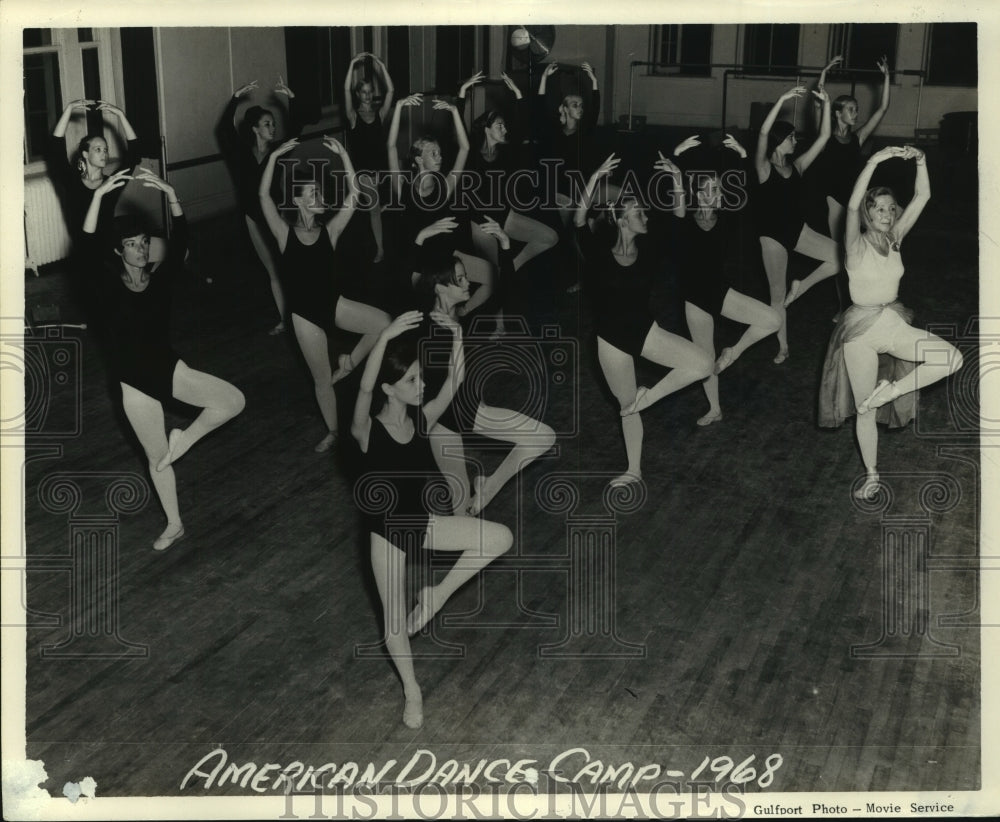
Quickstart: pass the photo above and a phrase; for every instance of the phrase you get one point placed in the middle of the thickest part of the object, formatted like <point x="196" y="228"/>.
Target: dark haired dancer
<point x="246" y="150"/>
<point x="624" y="271"/>
<point x="445" y="286"/>
<point x="778" y="205"/>
<point x="877" y="324"/>
<point x="134" y="298"/>
<point x="396" y="449"/>
<point x="309" y="272"/>
<point x="703" y="243"/>
<point x="427" y="196"/>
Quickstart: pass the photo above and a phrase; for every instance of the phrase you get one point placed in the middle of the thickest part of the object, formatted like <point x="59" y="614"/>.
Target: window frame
<point x="928" y="52"/>
<point x="655" y="56"/>
<point x="768" y="68"/>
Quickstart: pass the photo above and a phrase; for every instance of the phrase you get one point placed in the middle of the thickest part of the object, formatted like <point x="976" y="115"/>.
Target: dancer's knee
<point x="497" y="538"/>
<point x="235" y="402"/>
<point x="773" y="321"/>
<point x="703" y="365"/>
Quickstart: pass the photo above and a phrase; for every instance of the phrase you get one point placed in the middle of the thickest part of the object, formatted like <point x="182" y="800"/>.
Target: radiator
<point x="46" y="238"/>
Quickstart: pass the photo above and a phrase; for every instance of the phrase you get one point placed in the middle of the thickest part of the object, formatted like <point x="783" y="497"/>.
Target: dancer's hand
<point x="883" y="65"/>
<point x="887" y="153"/>
<point x="443" y="226"/>
<point x="732" y="143"/>
<point x="447" y="322"/>
<point x="281" y="88"/>
<point x="114" y="181"/>
<point x="605" y="168"/>
<point x="151" y="180"/>
<point x="113" y="109"/>
<point x="830" y="65"/>
<point x="403" y="323"/>
<point x="81" y="104"/>
<point x="822" y="94"/>
<point x="285" y="147"/>
<point x="665" y="164"/>
<point x="914" y="153"/>
<point x="510" y="84"/>
<point x="334" y="145"/>
<point x="443" y="105"/>
<point x="493" y="229"/>
<point x="412" y="100"/>
<point x="791" y="94"/>
<point x="684" y="145"/>
<point x="550" y="69"/>
<point x="589" y="71"/>
<point x="251" y="86"/>
<point x="478" y="77"/>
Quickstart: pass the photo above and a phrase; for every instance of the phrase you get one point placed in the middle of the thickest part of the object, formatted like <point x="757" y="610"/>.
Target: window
<point x="317" y="59"/>
<point x="771" y="48"/>
<point x="952" y="53"/>
<point x="862" y="45"/>
<point x="42" y="91"/>
<point x="682" y="49"/>
<point x="62" y="65"/>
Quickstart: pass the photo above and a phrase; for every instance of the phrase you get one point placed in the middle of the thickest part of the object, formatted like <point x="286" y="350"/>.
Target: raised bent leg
<point x="359" y="318"/>
<point x="815" y="245"/>
<point x="761" y="319"/>
<point x="219" y="400"/>
<point x="449" y="454"/>
<point x="480" y="542"/>
<point x="686" y="361"/>
<point x="538" y="236"/>
<point x="529" y="437"/>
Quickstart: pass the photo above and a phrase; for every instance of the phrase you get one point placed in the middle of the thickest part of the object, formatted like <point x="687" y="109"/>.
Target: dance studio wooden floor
<point x="744" y="579"/>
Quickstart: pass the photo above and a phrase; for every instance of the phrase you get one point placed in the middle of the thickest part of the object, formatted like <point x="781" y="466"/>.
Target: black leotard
<point x="136" y="324"/>
<point x="621" y="293"/>
<point x="576" y="150"/>
<point x="410" y="471"/>
<point x="309" y="279"/>
<point x="701" y="260"/>
<point x="76" y="196"/>
<point x="366" y="144"/>
<point x="435" y="361"/>
<point x="839" y="166"/>
<point x="779" y="208"/>
<point x="243" y="165"/>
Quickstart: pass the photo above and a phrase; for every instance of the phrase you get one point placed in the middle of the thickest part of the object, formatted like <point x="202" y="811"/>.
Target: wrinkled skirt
<point x="836" y="399"/>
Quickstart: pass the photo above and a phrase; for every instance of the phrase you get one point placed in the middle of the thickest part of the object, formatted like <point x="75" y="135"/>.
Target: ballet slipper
<point x="326" y="443"/>
<point x="379" y="256"/>
<point x="726" y="359"/>
<point x="165" y="540"/>
<point x="782" y="356"/>
<point x="638" y="404"/>
<point x="884" y="392"/>
<point x="628" y="478"/>
<point x="793" y="293"/>
<point x="171" y="455"/>
<point x="710" y="417"/>
<point x="423" y="612"/>
<point x="278" y="329"/>
<point x="870" y="487"/>
<point x="413" y="712"/>
<point x="345" y="365"/>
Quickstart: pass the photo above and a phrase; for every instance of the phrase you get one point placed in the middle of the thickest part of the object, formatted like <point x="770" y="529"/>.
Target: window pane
<point x="767" y="46"/>
<point x="42" y="100"/>
<point x="953" y="55"/>
<point x="869" y="41"/>
<point x="85" y="35"/>
<point x="696" y="48"/>
<point x="91" y="74"/>
<point x="37" y="37"/>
